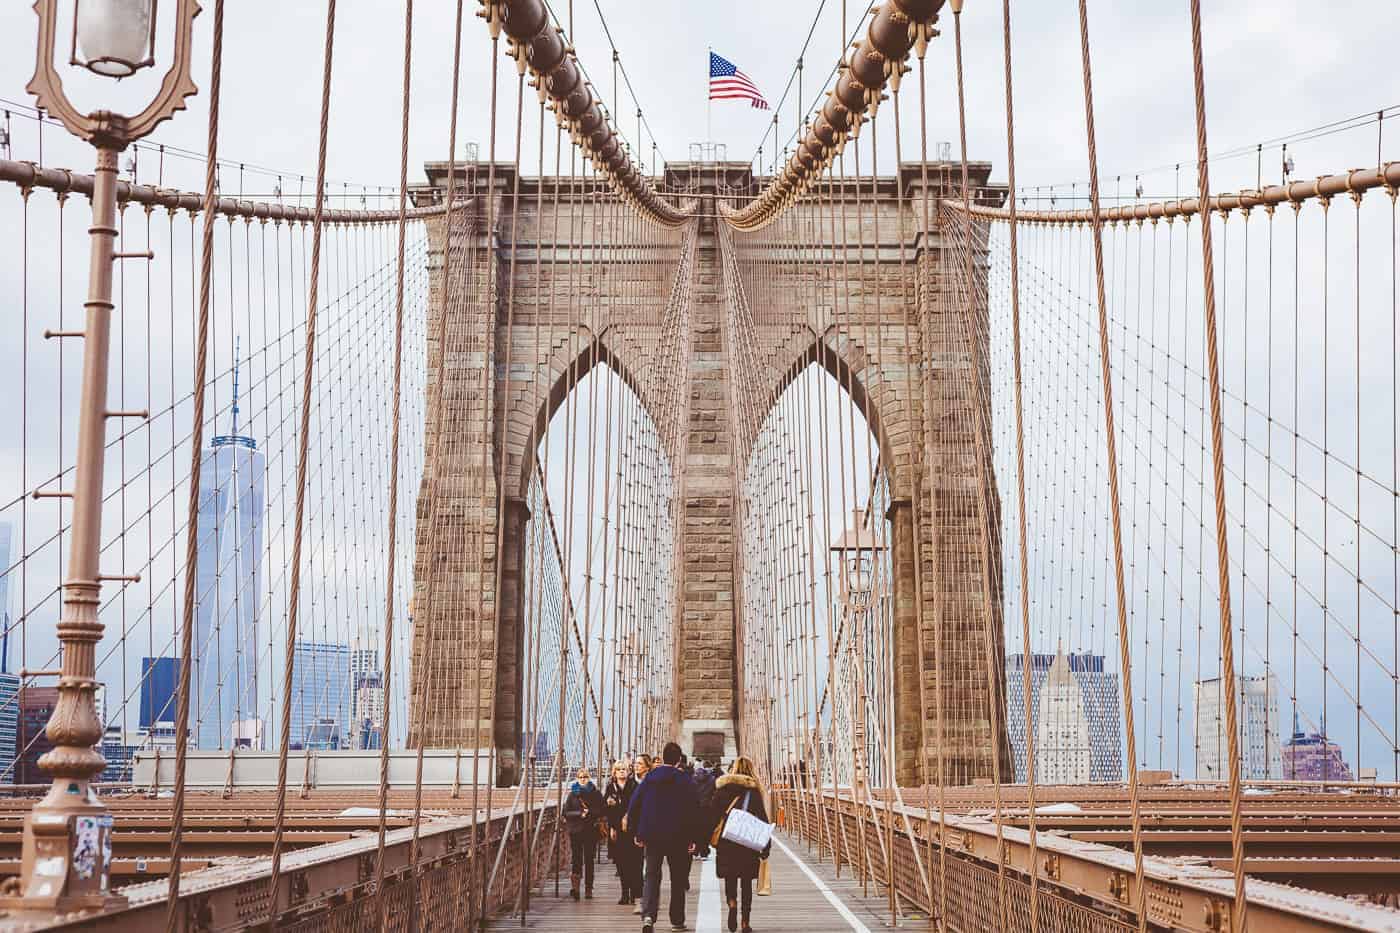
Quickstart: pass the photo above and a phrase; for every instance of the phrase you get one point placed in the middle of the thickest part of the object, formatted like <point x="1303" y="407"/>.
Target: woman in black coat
<point x="737" y="865"/>
<point x="621" y="849"/>
<point x="582" y="810"/>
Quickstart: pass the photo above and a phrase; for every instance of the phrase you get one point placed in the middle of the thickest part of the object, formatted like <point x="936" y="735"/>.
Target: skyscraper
<point x="1311" y="756"/>
<point x="9" y="725"/>
<point x="227" y="574"/>
<point x="1097" y="703"/>
<point x="367" y="708"/>
<point x="1257" y="708"/>
<point x="369" y="711"/>
<point x="320" y="694"/>
<point x="1062" y="754"/>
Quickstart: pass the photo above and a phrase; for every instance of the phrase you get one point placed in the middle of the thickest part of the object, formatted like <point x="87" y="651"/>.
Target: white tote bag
<point x="743" y="828"/>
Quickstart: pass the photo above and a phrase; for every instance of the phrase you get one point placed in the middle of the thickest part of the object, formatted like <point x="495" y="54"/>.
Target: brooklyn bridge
<point x="1034" y="544"/>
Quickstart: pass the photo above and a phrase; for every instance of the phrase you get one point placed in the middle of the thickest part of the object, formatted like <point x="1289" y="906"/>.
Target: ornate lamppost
<point x="856" y="549"/>
<point x="68" y="834"/>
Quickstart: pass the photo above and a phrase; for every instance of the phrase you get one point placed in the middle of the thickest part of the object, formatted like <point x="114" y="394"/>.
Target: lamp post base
<point x="67" y="853"/>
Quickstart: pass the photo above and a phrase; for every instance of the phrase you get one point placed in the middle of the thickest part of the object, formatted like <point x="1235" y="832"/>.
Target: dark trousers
<point x="677" y="861"/>
<point x="629" y="867"/>
<point x="731" y="893"/>
<point x="583" y="848"/>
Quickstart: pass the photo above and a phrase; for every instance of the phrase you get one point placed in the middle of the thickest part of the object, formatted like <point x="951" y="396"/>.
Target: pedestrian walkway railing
<point x="963" y="869"/>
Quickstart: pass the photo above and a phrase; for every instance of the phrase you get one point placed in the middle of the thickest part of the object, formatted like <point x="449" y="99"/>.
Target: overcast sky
<point x="1273" y="68"/>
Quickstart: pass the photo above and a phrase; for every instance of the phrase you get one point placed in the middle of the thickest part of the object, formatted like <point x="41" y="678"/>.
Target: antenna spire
<point x="236" y="346"/>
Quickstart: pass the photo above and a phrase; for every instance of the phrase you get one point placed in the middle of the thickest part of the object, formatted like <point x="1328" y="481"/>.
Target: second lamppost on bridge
<point x="856" y="549"/>
<point x="68" y="835"/>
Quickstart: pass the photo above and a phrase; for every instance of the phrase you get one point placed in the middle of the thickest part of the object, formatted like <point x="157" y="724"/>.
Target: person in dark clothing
<point x="704" y="779"/>
<point x="666" y="818"/>
<point x="704" y="785"/>
<point x="737" y="865"/>
<point x="582" y="811"/>
<point x="621" y="849"/>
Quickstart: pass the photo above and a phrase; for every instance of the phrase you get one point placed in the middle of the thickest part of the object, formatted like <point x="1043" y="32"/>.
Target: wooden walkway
<point x="807" y="898"/>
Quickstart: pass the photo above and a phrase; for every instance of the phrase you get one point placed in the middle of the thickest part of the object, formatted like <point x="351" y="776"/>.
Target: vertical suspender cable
<point x="1111" y="445"/>
<point x="201" y="367"/>
<point x="303" y="441"/>
<point x="1024" y="562"/>
<point x="391" y="550"/>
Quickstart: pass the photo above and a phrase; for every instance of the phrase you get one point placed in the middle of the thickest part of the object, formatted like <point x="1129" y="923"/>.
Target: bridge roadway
<point x="807" y="898"/>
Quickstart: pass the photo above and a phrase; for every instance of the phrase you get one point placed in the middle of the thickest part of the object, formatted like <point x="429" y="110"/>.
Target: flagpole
<point x="709" y="102"/>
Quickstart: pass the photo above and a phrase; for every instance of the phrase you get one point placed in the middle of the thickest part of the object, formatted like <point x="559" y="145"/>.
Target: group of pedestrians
<point x="658" y="815"/>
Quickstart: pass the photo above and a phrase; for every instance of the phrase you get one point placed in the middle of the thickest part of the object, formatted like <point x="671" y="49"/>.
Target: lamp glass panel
<point x="114" y="35"/>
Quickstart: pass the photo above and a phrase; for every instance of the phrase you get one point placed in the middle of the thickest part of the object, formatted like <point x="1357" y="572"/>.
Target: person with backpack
<point x="737" y="864"/>
<point x="705" y="785"/>
<point x="704" y="788"/>
<point x="666" y="818"/>
<point x="582" y="811"/>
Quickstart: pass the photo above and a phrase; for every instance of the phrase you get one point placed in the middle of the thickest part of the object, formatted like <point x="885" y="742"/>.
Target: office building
<point x="320" y="692"/>
<point x="367" y="705"/>
<point x="36" y="706"/>
<point x="364" y="662"/>
<point x="160" y="736"/>
<point x="1313" y="757"/>
<point x="160" y="684"/>
<point x="9" y="726"/>
<point x="369" y="710"/>
<point x="323" y="735"/>
<point x="1098" y="704"/>
<point x="228" y="596"/>
<point x="1062" y="753"/>
<point x="1257" y="714"/>
<point x="119" y="747"/>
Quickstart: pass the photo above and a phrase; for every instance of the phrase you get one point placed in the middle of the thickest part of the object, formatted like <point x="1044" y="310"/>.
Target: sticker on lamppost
<point x="105" y="822"/>
<point x="85" y="845"/>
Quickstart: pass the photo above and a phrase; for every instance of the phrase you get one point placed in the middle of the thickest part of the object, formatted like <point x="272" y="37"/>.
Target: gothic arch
<point x="569" y="358"/>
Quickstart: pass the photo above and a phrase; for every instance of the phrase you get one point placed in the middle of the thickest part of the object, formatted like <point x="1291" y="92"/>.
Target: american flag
<point x="729" y="83"/>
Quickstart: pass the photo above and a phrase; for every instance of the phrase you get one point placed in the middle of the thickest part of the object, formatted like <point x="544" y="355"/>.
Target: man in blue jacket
<point x="665" y="817"/>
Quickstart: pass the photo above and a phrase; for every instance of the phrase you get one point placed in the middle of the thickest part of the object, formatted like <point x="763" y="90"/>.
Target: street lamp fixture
<point x="116" y="37"/>
<point x="67" y="847"/>
<point x="856" y="549"/>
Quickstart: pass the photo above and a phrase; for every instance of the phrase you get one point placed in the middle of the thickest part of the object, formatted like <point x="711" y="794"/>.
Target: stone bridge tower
<point x="709" y="447"/>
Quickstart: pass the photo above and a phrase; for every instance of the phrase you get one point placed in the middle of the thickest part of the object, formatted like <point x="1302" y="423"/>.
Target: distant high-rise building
<point x="160" y="681"/>
<point x="227" y="573"/>
<point x="323" y="735"/>
<point x="320" y="693"/>
<point x="36" y="706"/>
<point x="1257" y="714"/>
<point x="364" y="662"/>
<point x="367" y="708"/>
<point x="9" y="726"/>
<point x="1062" y="753"/>
<point x="161" y="736"/>
<point x="1098" y="704"/>
<point x="1313" y="757"/>
<point x="118" y="747"/>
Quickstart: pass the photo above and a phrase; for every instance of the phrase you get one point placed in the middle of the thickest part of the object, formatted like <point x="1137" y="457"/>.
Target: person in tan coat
<point x="737" y="865"/>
